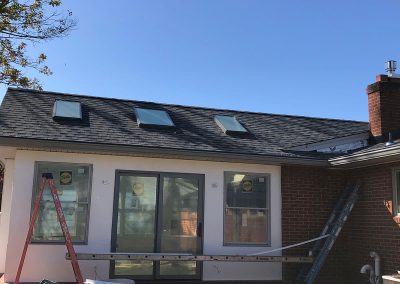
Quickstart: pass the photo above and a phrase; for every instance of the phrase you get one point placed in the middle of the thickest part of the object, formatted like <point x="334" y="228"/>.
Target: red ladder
<point x="60" y="214"/>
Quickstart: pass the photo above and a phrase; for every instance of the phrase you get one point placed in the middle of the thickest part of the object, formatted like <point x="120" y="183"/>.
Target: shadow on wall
<point x="373" y="225"/>
<point x="308" y="196"/>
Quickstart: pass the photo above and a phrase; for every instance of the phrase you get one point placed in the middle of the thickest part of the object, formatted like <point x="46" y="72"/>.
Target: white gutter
<point x="387" y="154"/>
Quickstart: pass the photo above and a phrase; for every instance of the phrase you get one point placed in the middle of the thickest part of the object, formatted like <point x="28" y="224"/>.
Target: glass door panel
<point x="157" y="213"/>
<point x="180" y="197"/>
<point x="136" y="221"/>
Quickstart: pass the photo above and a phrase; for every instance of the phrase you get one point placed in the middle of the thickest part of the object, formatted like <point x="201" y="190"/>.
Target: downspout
<point x="377" y="261"/>
<point x="374" y="273"/>
<point x="365" y="269"/>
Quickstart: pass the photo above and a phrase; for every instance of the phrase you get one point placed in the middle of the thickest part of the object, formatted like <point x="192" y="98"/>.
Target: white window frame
<point x="396" y="197"/>
<point x="267" y="209"/>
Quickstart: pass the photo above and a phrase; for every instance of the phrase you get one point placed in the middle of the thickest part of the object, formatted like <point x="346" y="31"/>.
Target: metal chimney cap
<point x="391" y="66"/>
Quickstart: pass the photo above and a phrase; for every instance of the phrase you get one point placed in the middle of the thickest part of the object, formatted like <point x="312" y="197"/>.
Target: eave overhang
<point x="388" y="154"/>
<point x="156" y="152"/>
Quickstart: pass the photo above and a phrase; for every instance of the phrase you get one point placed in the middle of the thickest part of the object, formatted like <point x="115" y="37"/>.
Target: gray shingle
<point x="28" y="114"/>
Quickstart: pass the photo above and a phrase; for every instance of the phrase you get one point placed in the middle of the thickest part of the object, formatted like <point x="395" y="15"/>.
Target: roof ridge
<point x="184" y="106"/>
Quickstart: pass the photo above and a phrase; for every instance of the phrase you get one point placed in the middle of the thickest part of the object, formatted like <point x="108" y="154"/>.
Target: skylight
<point x="153" y="117"/>
<point x="67" y="109"/>
<point x="229" y="124"/>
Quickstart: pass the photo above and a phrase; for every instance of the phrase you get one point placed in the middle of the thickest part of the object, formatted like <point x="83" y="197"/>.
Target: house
<point x="146" y="177"/>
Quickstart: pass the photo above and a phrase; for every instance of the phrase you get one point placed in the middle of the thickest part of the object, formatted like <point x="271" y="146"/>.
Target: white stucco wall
<point x="5" y="210"/>
<point x="47" y="261"/>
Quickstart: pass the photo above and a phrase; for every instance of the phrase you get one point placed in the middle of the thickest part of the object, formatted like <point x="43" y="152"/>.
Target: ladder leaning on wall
<point x="332" y="228"/>
<point x="48" y="178"/>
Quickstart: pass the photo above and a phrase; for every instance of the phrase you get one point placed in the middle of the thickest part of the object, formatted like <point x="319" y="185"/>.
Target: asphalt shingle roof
<point x="28" y="114"/>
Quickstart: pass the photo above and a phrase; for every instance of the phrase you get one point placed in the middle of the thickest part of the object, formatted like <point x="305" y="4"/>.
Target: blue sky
<point x="312" y="58"/>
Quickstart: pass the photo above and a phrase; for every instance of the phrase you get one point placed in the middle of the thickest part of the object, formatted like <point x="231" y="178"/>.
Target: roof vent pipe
<point x="390" y="140"/>
<point x="391" y="66"/>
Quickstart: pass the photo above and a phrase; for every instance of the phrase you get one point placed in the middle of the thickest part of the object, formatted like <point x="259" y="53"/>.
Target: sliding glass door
<point x="157" y="213"/>
<point x="135" y="221"/>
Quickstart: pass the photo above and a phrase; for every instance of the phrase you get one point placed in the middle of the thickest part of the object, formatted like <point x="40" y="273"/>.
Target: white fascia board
<point x="385" y="155"/>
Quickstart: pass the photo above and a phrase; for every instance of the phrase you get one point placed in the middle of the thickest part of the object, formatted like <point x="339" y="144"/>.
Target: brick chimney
<point x="384" y="107"/>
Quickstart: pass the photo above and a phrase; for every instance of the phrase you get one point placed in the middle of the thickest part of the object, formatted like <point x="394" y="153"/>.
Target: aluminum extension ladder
<point x="333" y="226"/>
<point x="48" y="177"/>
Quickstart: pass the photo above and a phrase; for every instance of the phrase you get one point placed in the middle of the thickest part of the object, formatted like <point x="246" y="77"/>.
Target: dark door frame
<point x="158" y="228"/>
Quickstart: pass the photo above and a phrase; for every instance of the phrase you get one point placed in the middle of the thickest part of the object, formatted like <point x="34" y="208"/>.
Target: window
<point x="153" y="117"/>
<point x="67" y="109"/>
<point x="73" y="182"/>
<point x="246" y="210"/>
<point x="229" y="124"/>
<point x="396" y="194"/>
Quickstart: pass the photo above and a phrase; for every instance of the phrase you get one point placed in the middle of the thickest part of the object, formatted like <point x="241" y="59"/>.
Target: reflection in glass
<point x="67" y="109"/>
<point x="133" y="268"/>
<point x="153" y="117"/>
<point x="246" y="191"/>
<point x="246" y="208"/>
<point x="178" y="267"/>
<point x="136" y="222"/>
<point x="72" y="182"/>
<point x="229" y="124"/>
<point x="245" y="225"/>
<point x="157" y="213"/>
<point x="179" y="225"/>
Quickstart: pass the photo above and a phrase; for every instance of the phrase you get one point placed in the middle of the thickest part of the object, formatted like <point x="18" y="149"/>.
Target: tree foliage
<point x="22" y="24"/>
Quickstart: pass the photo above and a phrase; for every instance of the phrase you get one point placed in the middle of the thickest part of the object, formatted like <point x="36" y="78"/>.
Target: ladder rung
<point x="333" y="226"/>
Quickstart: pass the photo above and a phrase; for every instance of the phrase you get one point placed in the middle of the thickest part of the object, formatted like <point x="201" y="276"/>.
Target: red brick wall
<point x="372" y="226"/>
<point x="374" y="113"/>
<point x="308" y="196"/>
<point x="384" y="105"/>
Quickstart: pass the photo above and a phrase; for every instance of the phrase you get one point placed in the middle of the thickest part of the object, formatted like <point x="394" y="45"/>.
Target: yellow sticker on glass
<point x="247" y="186"/>
<point x="138" y="189"/>
<point x="65" y="177"/>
